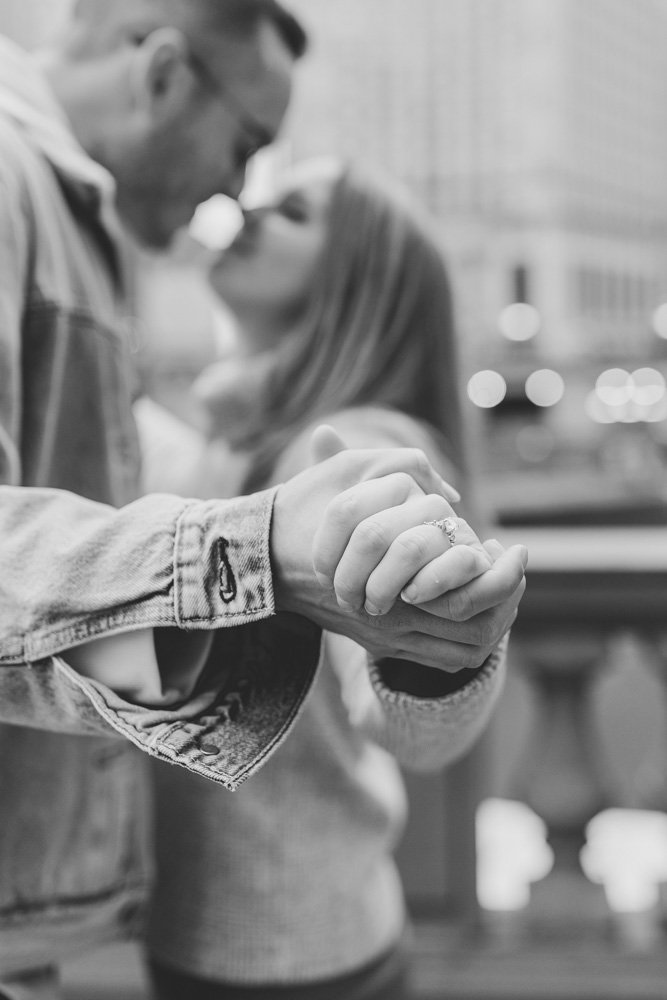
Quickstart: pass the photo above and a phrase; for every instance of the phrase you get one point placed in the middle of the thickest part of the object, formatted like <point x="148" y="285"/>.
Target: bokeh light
<point x="512" y="853"/>
<point x="216" y="222"/>
<point x="597" y="410"/>
<point x="535" y="444"/>
<point x="657" y="412"/>
<point x="487" y="388"/>
<point x="545" y="387"/>
<point x="648" y="386"/>
<point x="614" y="386"/>
<point x="626" y="851"/>
<point x="621" y="397"/>
<point x="519" y="321"/>
<point x="659" y="321"/>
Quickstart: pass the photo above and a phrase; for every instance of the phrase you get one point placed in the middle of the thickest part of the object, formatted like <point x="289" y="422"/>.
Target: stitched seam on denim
<point x="299" y="699"/>
<point x="15" y="655"/>
<point x="222" y="619"/>
<point x="151" y="613"/>
<point x="134" y="734"/>
<point x="110" y="715"/>
<point x="80" y="313"/>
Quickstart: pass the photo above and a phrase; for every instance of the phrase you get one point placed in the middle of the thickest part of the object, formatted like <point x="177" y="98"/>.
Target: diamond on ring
<point x="448" y="525"/>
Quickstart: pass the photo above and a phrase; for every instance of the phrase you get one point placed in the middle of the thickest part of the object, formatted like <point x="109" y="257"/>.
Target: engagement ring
<point x="448" y="525"/>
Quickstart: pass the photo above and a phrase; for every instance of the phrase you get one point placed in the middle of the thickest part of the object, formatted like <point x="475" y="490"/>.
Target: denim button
<point x="210" y="749"/>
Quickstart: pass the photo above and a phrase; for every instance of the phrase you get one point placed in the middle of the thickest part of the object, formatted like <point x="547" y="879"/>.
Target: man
<point x="108" y="602"/>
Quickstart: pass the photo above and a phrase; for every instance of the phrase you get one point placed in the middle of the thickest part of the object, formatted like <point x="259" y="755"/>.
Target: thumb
<point x="325" y="442"/>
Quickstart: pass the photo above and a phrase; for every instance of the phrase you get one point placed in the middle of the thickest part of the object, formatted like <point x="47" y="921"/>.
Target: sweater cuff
<point x="476" y="686"/>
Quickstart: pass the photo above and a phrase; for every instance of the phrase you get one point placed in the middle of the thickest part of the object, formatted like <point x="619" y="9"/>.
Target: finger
<point x="373" y="538"/>
<point x="456" y="530"/>
<point x="443" y="654"/>
<point x="325" y="442"/>
<point x="454" y="568"/>
<point x="494" y="548"/>
<point x="355" y="506"/>
<point x="415" y="463"/>
<point x="419" y="550"/>
<point x="410" y="633"/>
<point x="500" y="586"/>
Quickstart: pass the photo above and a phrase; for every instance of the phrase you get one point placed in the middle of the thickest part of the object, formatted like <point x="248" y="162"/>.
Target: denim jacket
<point x="84" y="555"/>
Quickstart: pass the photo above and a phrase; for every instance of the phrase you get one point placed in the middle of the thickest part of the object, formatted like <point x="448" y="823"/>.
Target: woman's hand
<point x="404" y="550"/>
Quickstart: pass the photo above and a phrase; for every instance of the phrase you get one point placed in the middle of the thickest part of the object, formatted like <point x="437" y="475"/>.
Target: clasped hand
<point x="382" y="576"/>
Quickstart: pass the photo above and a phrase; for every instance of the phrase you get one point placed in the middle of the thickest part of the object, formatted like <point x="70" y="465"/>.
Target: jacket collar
<point x="27" y="100"/>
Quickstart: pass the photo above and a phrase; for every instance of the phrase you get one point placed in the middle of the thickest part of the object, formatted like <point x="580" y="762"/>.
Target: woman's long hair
<point x="377" y="328"/>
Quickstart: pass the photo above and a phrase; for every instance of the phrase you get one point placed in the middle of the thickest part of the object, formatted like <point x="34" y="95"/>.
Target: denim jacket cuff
<point x="222" y="567"/>
<point x="248" y="698"/>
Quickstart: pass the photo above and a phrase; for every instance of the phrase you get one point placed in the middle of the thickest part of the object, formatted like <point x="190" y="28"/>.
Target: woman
<point x="288" y="888"/>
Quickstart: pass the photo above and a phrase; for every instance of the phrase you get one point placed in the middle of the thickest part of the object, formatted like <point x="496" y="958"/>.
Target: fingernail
<point x="523" y="555"/>
<point x="409" y="595"/>
<point x="451" y="493"/>
<point x="323" y="580"/>
<point x="371" y="609"/>
<point x="345" y="605"/>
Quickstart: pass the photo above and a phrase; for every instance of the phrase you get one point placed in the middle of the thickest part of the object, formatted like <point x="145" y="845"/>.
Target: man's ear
<point x="162" y="79"/>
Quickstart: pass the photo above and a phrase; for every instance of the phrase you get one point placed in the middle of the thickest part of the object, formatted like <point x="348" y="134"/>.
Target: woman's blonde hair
<point x="377" y="328"/>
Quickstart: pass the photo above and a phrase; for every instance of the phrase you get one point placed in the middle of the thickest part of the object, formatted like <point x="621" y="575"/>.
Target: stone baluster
<point x="563" y="778"/>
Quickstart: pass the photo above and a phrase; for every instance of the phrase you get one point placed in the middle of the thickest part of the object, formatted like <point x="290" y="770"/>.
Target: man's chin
<point x="151" y="232"/>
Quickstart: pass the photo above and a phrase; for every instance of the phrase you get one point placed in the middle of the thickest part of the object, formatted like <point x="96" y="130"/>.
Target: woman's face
<point x="268" y="269"/>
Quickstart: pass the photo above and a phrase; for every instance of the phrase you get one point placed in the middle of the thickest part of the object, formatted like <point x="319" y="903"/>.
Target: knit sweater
<point x="292" y="879"/>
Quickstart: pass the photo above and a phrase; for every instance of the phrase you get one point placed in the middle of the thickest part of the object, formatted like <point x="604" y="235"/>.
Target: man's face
<point x="204" y="148"/>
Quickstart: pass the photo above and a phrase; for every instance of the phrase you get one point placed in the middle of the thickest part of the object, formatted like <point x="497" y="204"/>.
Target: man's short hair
<point x="241" y="17"/>
<point x="99" y="24"/>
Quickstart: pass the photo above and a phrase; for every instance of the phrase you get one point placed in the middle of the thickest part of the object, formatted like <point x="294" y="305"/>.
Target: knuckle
<point x="479" y="658"/>
<point x="370" y="536"/>
<point x="413" y="546"/>
<point x="467" y="558"/>
<point x="405" y="483"/>
<point x="343" y="509"/>
<point x="345" y="590"/>
<point x="490" y="630"/>
<point x="472" y="657"/>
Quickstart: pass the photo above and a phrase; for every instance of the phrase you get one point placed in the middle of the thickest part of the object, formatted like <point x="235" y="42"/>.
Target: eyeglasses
<point x="257" y="135"/>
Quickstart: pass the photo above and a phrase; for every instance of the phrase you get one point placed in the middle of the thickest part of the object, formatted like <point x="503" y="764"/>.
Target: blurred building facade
<point x="536" y="134"/>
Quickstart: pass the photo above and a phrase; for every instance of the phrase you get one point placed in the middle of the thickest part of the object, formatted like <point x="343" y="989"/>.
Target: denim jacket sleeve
<point x="73" y="570"/>
<point x="242" y="707"/>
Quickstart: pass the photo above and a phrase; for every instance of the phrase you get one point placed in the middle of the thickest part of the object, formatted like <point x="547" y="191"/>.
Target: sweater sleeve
<point x="423" y="734"/>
